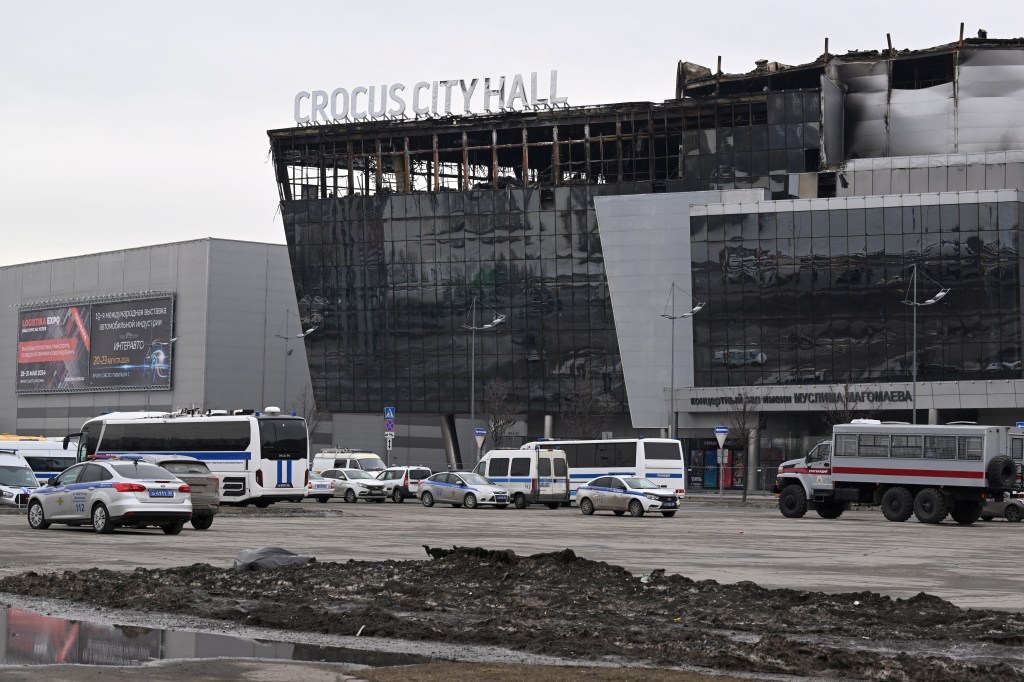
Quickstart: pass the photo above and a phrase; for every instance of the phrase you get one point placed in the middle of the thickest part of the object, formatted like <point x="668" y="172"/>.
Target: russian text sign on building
<point x="433" y="98"/>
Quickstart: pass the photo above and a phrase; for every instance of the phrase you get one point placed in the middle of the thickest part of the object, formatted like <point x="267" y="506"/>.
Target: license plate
<point x="161" y="493"/>
<point x="667" y="505"/>
<point x="499" y="498"/>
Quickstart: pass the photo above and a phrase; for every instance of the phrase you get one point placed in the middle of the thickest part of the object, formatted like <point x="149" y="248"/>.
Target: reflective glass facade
<point x="817" y="296"/>
<point x="391" y="282"/>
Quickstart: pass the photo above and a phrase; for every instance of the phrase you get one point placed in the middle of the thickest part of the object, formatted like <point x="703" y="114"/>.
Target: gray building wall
<point x="231" y="300"/>
<point x="646" y="245"/>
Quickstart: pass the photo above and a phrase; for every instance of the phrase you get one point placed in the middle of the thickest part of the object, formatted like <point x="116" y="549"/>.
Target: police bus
<point x="46" y="456"/>
<point x="659" y="459"/>
<point x="260" y="458"/>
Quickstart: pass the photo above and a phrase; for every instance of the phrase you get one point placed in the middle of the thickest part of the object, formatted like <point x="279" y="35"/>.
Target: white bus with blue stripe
<point x="259" y="458"/>
<point x="659" y="459"/>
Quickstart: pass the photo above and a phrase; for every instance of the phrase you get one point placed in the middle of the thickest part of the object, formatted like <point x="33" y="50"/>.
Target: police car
<point x="17" y="480"/>
<point x="110" y="493"/>
<point x="462" y="488"/>
<point x="621" y="494"/>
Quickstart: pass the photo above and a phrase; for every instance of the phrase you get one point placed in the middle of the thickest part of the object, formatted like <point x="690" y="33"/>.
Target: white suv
<point x="402" y="482"/>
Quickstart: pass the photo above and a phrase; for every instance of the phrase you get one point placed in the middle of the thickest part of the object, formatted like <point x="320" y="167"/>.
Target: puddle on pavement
<point x="28" y="638"/>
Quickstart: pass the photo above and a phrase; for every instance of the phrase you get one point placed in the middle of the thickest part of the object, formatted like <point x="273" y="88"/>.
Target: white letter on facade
<point x="467" y="93"/>
<point x="416" y="90"/>
<point x="356" y="114"/>
<point x="319" y="106"/>
<point x="299" y="118"/>
<point x="516" y="91"/>
<point x="399" y="108"/>
<point x="339" y="114"/>
<point x="555" y="99"/>
<point x="498" y="92"/>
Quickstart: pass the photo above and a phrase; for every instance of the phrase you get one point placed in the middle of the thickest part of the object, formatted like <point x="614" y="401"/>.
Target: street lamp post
<point x="473" y="328"/>
<point x="287" y="353"/>
<point x="910" y="299"/>
<point x="670" y="314"/>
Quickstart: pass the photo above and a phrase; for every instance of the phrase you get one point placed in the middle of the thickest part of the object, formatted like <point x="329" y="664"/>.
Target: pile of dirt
<point x="563" y="605"/>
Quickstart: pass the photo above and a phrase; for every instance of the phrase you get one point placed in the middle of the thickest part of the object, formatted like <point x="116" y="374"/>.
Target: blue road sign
<point x="1020" y="425"/>
<point x="721" y="429"/>
<point x="389" y="413"/>
<point x="479" y="432"/>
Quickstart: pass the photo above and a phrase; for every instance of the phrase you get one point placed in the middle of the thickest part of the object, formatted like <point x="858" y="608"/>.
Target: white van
<point x="530" y="476"/>
<point x="17" y="480"/>
<point x="46" y="457"/>
<point x="344" y="458"/>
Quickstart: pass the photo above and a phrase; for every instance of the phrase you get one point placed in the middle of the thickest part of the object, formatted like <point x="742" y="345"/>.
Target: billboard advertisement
<point x="116" y="345"/>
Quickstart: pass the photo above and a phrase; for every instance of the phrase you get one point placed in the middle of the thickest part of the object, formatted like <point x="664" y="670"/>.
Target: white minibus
<point x="659" y="459"/>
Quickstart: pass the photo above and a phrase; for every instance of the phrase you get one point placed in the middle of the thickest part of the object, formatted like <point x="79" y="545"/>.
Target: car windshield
<point x="360" y="474"/>
<point x="313" y="476"/>
<point x="140" y="471"/>
<point x="17" y="476"/>
<point x="371" y="463"/>
<point x="475" y="479"/>
<point x="641" y="483"/>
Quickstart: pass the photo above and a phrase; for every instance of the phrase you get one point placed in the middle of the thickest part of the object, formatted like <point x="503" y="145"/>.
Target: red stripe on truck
<point x="926" y="473"/>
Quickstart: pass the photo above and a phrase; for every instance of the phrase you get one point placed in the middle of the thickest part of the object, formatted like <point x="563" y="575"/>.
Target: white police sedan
<point x="462" y="489"/>
<point x="621" y="494"/>
<point x="112" y="492"/>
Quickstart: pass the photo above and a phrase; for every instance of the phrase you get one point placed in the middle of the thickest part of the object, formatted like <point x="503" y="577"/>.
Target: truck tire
<point x="1001" y="472"/>
<point x="793" y="501"/>
<point x="897" y="504"/>
<point x="829" y="510"/>
<point x="965" y="513"/>
<point x="930" y="506"/>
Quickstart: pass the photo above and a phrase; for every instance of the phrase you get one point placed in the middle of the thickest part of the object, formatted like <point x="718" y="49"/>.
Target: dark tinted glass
<point x="662" y="450"/>
<point x="284" y="438"/>
<point x="520" y="466"/>
<point x="141" y="471"/>
<point x="498" y="467"/>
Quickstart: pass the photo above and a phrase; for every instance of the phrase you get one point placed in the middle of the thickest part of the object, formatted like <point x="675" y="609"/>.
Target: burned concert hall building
<point x="772" y="250"/>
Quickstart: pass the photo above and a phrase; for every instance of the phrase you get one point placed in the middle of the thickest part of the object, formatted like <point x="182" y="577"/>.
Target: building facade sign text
<point x="434" y="98"/>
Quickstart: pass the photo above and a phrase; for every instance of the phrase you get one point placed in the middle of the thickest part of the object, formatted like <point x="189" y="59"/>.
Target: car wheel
<point x="36" y="518"/>
<point x="521" y="501"/>
<point x="1012" y="513"/>
<point x="636" y="508"/>
<point x="668" y="514"/>
<point x="397" y="496"/>
<point x="427" y="499"/>
<point x="470" y="501"/>
<point x="202" y="522"/>
<point x="930" y="506"/>
<point x="793" y="501"/>
<point x="897" y="504"/>
<point x="586" y="506"/>
<point x="101" y="520"/>
<point x="323" y="499"/>
<point x="618" y="512"/>
<point x="350" y="496"/>
<point x="173" y="528"/>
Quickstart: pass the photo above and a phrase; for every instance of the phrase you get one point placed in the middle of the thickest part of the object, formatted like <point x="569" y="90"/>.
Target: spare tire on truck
<point x="1001" y="472"/>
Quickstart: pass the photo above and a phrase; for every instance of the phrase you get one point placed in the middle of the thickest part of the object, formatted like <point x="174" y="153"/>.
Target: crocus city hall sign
<point x="433" y="98"/>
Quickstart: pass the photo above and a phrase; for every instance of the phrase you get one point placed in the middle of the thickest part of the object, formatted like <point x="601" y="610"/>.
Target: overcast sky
<point x="134" y="123"/>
